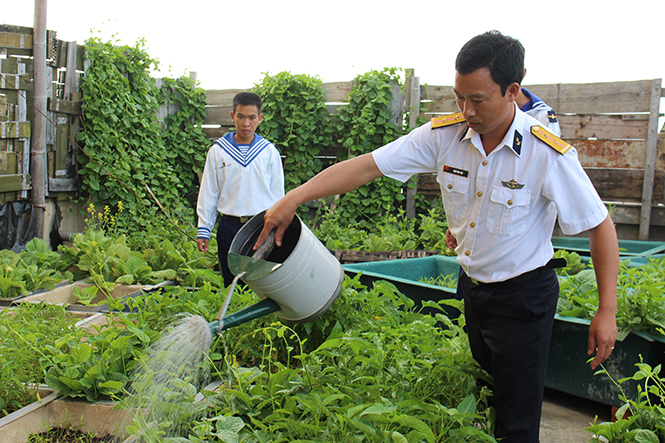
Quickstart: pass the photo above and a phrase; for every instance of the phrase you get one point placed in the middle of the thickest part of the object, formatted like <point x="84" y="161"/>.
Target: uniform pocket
<point x="508" y="210"/>
<point x="454" y="190"/>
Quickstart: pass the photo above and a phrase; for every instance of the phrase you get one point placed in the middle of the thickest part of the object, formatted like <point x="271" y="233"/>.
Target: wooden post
<point x="38" y="148"/>
<point x="413" y="106"/>
<point x="649" y="167"/>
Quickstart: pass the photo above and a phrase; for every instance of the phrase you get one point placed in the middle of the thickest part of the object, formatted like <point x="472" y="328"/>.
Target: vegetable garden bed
<point x="99" y="418"/>
<point x="568" y="370"/>
<point x="67" y="295"/>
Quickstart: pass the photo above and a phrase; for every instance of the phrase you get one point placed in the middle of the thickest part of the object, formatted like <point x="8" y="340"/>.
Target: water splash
<point x="164" y="384"/>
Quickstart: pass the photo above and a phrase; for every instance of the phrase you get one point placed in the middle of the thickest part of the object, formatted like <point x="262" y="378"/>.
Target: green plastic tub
<point x="627" y="248"/>
<point x="407" y="275"/>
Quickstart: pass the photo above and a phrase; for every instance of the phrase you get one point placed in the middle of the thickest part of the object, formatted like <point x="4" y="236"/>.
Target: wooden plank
<point x="218" y="115"/>
<point x="413" y="108"/>
<point x="15" y="29"/>
<point x="13" y="182"/>
<point x="8" y="163"/>
<point x="612" y="184"/>
<point x="15" y="129"/>
<point x="586" y="98"/>
<point x="11" y="40"/>
<point x="15" y="82"/>
<point x="64" y="106"/>
<point x="70" y="75"/>
<point x="649" y="169"/>
<point x="613" y="153"/>
<point x="9" y="65"/>
<point x="438" y="100"/>
<point x="222" y="97"/>
<point x="65" y="50"/>
<point x="625" y="185"/>
<point x="215" y="133"/>
<point x="595" y="98"/>
<point x="603" y="127"/>
<point x="337" y="92"/>
<point x="396" y="104"/>
<point x="629" y="214"/>
<point x="427" y="184"/>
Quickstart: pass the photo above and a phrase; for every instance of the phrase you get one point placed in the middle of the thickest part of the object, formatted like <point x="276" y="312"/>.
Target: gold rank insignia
<point x="447" y="120"/>
<point x="512" y="184"/>
<point x="550" y="139"/>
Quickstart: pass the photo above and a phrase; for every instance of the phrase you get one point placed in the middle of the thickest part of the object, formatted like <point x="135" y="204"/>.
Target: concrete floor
<point x="565" y="417"/>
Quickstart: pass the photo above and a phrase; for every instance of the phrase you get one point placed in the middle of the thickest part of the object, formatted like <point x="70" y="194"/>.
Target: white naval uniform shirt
<point x="542" y="112"/>
<point x="500" y="207"/>
<point x="238" y="180"/>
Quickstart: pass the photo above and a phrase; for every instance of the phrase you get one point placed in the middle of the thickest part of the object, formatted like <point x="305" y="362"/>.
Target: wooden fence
<point x="63" y="72"/>
<point x="614" y="127"/>
<point x="65" y="63"/>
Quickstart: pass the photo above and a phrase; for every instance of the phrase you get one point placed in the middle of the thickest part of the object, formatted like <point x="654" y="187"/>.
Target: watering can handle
<point x="266" y="247"/>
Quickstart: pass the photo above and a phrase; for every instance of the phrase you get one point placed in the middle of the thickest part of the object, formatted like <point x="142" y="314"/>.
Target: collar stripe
<point x="244" y="156"/>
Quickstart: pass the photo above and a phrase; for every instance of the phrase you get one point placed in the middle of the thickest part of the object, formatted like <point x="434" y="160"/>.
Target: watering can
<point x="298" y="281"/>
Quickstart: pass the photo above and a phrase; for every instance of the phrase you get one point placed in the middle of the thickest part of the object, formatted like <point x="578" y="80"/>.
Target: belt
<point x="242" y="220"/>
<point x="553" y="263"/>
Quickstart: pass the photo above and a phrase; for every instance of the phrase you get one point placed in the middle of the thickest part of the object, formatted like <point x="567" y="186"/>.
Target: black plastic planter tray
<point x="568" y="370"/>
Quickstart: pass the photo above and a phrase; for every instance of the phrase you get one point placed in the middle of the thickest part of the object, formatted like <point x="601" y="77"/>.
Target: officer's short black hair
<point x="247" y="99"/>
<point x="502" y="55"/>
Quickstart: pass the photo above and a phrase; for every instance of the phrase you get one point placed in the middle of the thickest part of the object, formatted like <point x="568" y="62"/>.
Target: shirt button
<point x="473" y="225"/>
<point x="450" y="186"/>
<point x="480" y="193"/>
<point x="467" y="252"/>
<point x="510" y="202"/>
<point x="484" y="162"/>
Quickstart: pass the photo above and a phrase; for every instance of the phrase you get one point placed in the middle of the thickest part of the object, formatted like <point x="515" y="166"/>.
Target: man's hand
<point x="338" y="179"/>
<point x="605" y="257"/>
<point x="602" y="336"/>
<point x="451" y="241"/>
<point x="202" y="243"/>
<point x="278" y="217"/>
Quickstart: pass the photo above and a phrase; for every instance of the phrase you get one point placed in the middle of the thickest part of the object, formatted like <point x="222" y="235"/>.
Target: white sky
<point x="230" y="44"/>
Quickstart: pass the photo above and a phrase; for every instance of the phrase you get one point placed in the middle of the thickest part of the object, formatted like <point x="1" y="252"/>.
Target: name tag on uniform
<point x="455" y="171"/>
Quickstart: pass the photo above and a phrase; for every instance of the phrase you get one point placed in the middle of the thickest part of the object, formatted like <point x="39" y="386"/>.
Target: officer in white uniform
<point x="504" y="181"/>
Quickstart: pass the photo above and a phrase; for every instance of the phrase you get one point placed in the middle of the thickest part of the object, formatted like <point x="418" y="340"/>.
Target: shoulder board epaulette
<point x="550" y="139"/>
<point x="447" y="120"/>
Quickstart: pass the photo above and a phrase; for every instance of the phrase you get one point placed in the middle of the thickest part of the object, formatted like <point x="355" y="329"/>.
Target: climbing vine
<point x="185" y="141"/>
<point x="365" y="124"/>
<point x="129" y="155"/>
<point x="296" y="120"/>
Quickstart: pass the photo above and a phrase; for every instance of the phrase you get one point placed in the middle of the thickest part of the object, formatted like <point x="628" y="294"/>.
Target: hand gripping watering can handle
<point x="257" y="310"/>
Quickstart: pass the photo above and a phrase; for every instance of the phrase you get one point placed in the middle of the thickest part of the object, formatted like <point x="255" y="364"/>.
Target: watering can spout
<point x="264" y="307"/>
